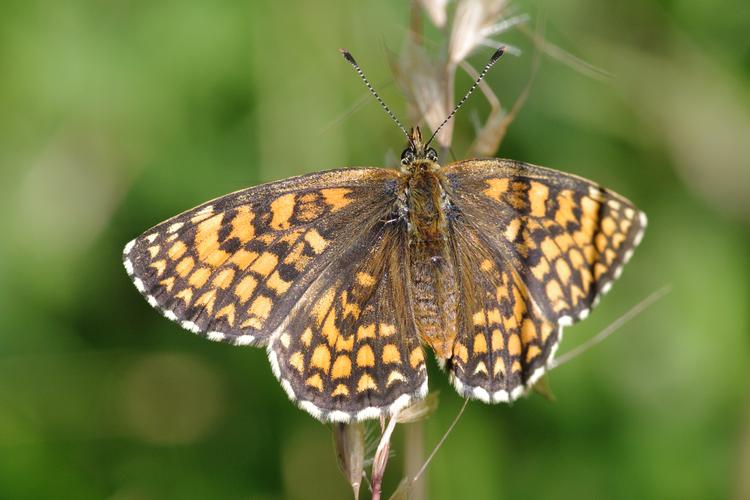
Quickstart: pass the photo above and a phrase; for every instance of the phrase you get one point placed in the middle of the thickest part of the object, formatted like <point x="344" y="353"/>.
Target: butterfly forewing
<point x="566" y="237"/>
<point x="350" y="348"/>
<point x="233" y="268"/>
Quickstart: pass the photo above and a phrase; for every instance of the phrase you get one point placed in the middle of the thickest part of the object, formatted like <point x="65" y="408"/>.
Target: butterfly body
<point x="343" y="276"/>
<point x="432" y="283"/>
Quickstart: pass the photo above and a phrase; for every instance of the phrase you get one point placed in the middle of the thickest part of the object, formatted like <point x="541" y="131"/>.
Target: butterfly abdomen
<point x="433" y="281"/>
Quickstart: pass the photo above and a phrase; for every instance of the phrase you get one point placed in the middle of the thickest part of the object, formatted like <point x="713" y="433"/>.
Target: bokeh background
<point x="115" y="115"/>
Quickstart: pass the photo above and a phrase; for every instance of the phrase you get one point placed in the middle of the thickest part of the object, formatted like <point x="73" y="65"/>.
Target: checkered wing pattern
<point x="350" y="349"/>
<point x="545" y="246"/>
<point x="503" y="339"/>
<point x="232" y="269"/>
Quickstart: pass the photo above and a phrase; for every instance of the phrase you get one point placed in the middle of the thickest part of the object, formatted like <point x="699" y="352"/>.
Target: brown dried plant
<point x="429" y="82"/>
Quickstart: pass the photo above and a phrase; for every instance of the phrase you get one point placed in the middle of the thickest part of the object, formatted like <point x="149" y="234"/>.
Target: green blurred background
<point x="115" y="115"/>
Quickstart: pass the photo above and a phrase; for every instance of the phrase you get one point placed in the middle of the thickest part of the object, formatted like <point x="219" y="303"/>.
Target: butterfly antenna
<point x="350" y="59"/>
<point x="499" y="52"/>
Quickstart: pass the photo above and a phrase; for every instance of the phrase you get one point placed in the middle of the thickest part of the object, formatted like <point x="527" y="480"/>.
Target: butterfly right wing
<point x="233" y="268"/>
<point x="540" y="247"/>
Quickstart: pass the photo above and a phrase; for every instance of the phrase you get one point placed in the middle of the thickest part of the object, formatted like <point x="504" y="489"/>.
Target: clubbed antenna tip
<point x="498" y="53"/>
<point x="350" y="58"/>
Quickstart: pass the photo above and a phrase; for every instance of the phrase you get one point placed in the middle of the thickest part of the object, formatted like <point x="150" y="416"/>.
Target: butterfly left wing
<point x="313" y="268"/>
<point x="542" y="247"/>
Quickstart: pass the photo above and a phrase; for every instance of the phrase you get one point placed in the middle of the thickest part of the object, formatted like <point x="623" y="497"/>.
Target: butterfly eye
<point x="407" y="157"/>
<point x="431" y="155"/>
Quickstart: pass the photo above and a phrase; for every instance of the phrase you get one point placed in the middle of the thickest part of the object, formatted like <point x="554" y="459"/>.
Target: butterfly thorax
<point x="423" y="197"/>
<point x="425" y="203"/>
<point x="433" y="282"/>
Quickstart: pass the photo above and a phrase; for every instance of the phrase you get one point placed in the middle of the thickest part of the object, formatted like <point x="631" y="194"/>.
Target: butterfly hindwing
<point x="503" y="341"/>
<point x="233" y="268"/>
<point x="566" y="237"/>
<point x="350" y="349"/>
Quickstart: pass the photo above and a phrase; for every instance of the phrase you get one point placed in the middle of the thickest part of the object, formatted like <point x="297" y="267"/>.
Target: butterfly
<point x="348" y="276"/>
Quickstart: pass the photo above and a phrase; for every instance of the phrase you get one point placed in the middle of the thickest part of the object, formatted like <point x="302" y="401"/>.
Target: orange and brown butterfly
<point x="347" y="276"/>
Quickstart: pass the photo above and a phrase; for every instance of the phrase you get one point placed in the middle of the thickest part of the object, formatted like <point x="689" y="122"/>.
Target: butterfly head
<point x="417" y="151"/>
